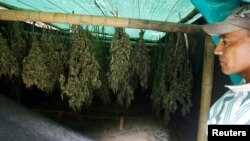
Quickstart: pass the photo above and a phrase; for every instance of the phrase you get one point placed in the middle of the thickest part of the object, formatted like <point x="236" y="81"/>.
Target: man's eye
<point x="224" y="42"/>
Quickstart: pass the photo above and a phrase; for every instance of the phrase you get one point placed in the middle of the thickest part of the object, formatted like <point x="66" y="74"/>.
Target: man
<point x="234" y="56"/>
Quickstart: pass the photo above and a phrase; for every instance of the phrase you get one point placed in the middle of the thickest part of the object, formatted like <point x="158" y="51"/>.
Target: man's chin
<point x="226" y="72"/>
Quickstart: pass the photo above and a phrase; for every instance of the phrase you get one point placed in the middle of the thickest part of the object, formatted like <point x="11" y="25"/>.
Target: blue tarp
<point x="216" y="11"/>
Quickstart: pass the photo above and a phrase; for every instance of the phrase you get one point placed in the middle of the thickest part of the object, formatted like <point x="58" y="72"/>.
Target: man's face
<point x="234" y="53"/>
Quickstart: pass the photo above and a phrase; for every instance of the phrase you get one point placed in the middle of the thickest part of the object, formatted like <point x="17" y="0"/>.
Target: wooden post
<point x="121" y="123"/>
<point x="36" y="16"/>
<point x="206" y="89"/>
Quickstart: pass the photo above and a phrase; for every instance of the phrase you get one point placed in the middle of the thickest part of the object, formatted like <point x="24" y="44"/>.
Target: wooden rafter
<point x="18" y="15"/>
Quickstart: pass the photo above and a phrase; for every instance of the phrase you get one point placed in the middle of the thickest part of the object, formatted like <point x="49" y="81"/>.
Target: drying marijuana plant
<point x="83" y="76"/>
<point x="58" y="56"/>
<point x="18" y="44"/>
<point x="12" y="56"/>
<point x="43" y="65"/>
<point x="141" y="61"/>
<point x="19" y="49"/>
<point x="173" y="84"/>
<point x="120" y="67"/>
<point x="103" y="58"/>
<point x="159" y="87"/>
<point x="8" y="62"/>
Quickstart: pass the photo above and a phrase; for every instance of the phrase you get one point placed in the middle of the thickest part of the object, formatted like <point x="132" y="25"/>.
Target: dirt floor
<point x="109" y="123"/>
<point x="109" y="129"/>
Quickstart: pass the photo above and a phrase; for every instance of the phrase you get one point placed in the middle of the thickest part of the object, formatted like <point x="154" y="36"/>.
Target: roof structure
<point x="156" y="10"/>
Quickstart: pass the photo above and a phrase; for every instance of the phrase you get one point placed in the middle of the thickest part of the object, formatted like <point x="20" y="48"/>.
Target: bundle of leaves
<point x="141" y="61"/>
<point x="120" y="68"/>
<point x="18" y="44"/>
<point x="103" y="58"/>
<point x="159" y="88"/>
<point x="58" y="55"/>
<point x="8" y="62"/>
<point x="173" y="84"/>
<point x="43" y="65"/>
<point x="83" y="75"/>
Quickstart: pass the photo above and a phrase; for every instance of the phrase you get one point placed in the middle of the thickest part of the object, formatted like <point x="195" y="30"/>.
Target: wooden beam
<point x="18" y="15"/>
<point x="206" y="89"/>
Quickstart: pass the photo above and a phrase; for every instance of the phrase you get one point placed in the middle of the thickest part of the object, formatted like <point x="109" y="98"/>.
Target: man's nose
<point x="218" y="50"/>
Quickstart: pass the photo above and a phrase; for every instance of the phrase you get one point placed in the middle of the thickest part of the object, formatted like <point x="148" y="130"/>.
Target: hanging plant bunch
<point x="42" y="66"/>
<point x="141" y="61"/>
<point x="62" y="44"/>
<point x="19" y="49"/>
<point x="156" y="55"/>
<point x="120" y="67"/>
<point x="57" y="56"/>
<point x="180" y="79"/>
<point x="33" y="65"/>
<point x="8" y="62"/>
<point x="159" y="88"/>
<point x="83" y="77"/>
<point x="175" y="90"/>
<point x="103" y="58"/>
<point x="18" y="44"/>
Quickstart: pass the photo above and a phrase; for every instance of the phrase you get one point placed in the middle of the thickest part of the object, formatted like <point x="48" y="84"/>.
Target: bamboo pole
<point x="17" y="15"/>
<point x="207" y="82"/>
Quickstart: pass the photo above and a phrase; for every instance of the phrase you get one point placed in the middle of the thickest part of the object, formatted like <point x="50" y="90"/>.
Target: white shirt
<point x="233" y="107"/>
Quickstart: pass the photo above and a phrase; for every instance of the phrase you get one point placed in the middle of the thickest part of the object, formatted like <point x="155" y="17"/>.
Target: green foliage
<point x="141" y="62"/>
<point x="83" y="77"/>
<point x="173" y="81"/>
<point x="120" y="68"/>
<point x="18" y="44"/>
<point x="90" y="67"/>
<point x="43" y="65"/>
<point x="101" y="50"/>
<point x="35" y="70"/>
<point x="8" y="62"/>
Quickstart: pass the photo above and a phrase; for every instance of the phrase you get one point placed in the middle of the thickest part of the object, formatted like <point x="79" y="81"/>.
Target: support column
<point x="206" y="89"/>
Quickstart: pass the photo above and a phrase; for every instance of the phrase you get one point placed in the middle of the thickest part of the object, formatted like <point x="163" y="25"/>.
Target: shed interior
<point x="112" y="70"/>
